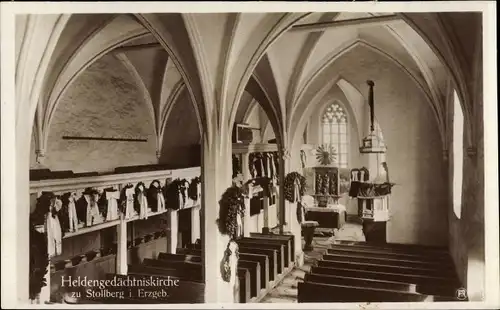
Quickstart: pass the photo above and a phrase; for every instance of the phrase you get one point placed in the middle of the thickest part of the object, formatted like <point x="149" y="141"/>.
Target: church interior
<point x="250" y="157"/>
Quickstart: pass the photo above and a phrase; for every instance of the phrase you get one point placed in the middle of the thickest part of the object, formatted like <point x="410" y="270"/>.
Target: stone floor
<point x="286" y="291"/>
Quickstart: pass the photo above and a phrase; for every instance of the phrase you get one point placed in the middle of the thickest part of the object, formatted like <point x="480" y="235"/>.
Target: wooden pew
<point x="355" y="280"/>
<point x="359" y="282"/>
<point x="179" y="257"/>
<point x="255" y="278"/>
<point x="143" y="293"/>
<point x="117" y="295"/>
<point x="289" y="238"/>
<point x="189" y="251"/>
<point x="408" y="262"/>
<point x="385" y="254"/>
<point x="184" y="270"/>
<point x="391" y="268"/>
<point x="261" y="259"/>
<point x="244" y="285"/>
<point x="272" y="256"/>
<point x="184" y="292"/>
<point x="319" y="292"/>
<point x="395" y="252"/>
<point x="263" y="262"/>
<point x="191" y="269"/>
<point x="252" y="266"/>
<point x="377" y="275"/>
<point x="286" y="249"/>
<point x="259" y="245"/>
<point x="411" y="248"/>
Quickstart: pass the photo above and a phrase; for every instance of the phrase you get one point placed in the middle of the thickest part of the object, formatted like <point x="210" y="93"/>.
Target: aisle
<point x="286" y="291"/>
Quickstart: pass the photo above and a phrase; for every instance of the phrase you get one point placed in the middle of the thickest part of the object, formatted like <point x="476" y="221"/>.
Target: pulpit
<point x="371" y="186"/>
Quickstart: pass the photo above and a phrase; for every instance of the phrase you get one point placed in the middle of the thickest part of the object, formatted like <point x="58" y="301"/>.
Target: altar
<point x="329" y="184"/>
<point x="329" y="218"/>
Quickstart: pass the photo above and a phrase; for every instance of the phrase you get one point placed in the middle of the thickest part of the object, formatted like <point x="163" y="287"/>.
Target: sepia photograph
<point x="306" y="155"/>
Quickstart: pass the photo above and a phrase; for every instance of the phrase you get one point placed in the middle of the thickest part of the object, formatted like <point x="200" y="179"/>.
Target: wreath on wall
<point x="226" y="261"/>
<point x="172" y="190"/>
<point x="231" y="205"/>
<point x="289" y="185"/>
<point x="193" y="188"/>
<point x="39" y="262"/>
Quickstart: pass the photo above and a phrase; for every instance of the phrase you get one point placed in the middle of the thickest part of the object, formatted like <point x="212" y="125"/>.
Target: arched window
<point x="334" y="132"/>
<point x="458" y="154"/>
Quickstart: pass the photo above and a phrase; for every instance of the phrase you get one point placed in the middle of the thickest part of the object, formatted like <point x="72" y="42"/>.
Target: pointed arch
<point x="250" y="109"/>
<point x="273" y="28"/>
<point x="273" y="112"/>
<point x="125" y="61"/>
<point x="309" y="89"/>
<point x="448" y="56"/>
<point x="306" y="51"/>
<point x="185" y="64"/>
<point x="334" y="129"/>
<point x="177" y="93"/>
<point x="88" y="53"/>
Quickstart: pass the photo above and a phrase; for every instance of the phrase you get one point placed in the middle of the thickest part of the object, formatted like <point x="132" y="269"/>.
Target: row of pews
<point x="361" y="272"/>
<point x="264" y="259"/>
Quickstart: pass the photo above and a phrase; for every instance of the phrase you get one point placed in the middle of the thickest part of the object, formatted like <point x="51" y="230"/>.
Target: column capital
<point x="40" y="157"/>
<point x="286" y="153"/>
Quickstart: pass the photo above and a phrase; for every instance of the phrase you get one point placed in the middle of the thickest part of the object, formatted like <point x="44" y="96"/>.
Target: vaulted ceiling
<point x="228" y="62"/>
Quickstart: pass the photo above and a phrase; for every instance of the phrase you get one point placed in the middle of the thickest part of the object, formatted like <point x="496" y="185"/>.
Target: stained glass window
<point x="335" y="132"/>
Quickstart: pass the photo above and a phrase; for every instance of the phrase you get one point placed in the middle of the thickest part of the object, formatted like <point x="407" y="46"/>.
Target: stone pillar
<point x="195" y="223"/>
<point x="45" y="291"/>
<point x="172" y="231"/>
<point x="40" y="159"/>
<point x="121" y="253"/>
<point x="216" y="178"/>
<point x="244" y="167"/>
<point x="265" y="228"/>
<point x="277" y="207"/>
<point x="246" y="219"/>
<point x="296" y="230"/>
<point x="284" y="167"/>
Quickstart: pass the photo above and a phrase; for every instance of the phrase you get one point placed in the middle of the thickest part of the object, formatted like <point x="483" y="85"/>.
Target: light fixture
<point x="372" y="143"/>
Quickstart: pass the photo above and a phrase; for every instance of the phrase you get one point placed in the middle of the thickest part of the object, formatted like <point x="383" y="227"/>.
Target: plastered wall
<point x="103" y="101"/>
<point x="181" y="141"/>
<point x="414" y="156"/>
<point x="466" y="242"/>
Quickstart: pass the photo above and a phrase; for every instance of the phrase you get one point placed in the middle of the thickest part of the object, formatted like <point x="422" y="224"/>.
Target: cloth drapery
<point x="112" y="198"/>
<point x="93" y="215"/>
<point x="72" y="215"/>
<point x="129" y="203"/>
<point x="54" y="231"/>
